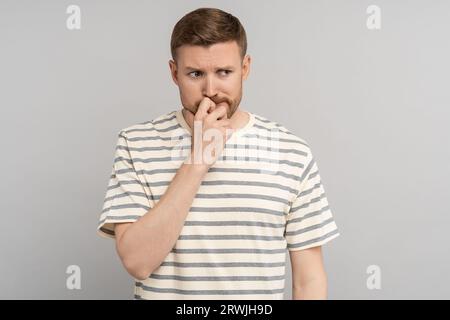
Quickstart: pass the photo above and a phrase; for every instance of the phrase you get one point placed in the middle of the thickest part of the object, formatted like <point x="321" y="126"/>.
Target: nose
<point x="209" y="87"/>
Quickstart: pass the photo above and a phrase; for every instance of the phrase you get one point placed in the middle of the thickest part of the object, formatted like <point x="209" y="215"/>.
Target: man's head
<point x="208" y="49"/>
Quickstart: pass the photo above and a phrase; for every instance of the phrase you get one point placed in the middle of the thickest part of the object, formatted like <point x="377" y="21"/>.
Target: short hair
<point x="207" y="26"/>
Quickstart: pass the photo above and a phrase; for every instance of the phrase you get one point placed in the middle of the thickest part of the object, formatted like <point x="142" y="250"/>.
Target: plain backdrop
<point x="373" y="104"/>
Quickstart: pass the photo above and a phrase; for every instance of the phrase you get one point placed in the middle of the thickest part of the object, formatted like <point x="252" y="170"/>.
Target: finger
<point x="225" y="116"/>
<point x="204" y="106"/>
<point x="219" y="113"/>
<point x="211" y="108"/>
<point x="223" y="123"/>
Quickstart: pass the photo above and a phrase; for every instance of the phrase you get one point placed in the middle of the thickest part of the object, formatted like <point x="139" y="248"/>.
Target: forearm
<point x="146" y="243"/>
<point x="315" y="289"/>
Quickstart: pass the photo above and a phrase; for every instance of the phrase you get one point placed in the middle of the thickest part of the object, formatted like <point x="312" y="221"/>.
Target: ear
<point x="246" y="66"/>
<point x="173" y="71"/>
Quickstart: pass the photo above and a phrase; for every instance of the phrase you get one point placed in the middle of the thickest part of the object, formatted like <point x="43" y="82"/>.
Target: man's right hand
<point x="208" y="116"/>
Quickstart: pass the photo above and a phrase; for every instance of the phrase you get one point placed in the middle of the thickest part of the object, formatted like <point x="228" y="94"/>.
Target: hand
<point x="209" y="122"/>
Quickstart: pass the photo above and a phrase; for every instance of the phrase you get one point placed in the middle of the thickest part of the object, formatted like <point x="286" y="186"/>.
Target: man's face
<point x="216" y="72"/>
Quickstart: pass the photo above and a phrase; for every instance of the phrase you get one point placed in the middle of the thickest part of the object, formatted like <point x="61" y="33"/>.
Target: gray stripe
<point x="188" y="138"/>
<point x="174" y="138"/>
<point x="126" y="206"/>
<point x="234" y="223"/>
<point x="217" y="169"/>
<point x="236" y="209"/>
<point x="223" y="278"/>
<point x="142" y="149"/>
<point x="121" y="147"/>
<point x="268" y="138"/>
<point x="312" y="175"/>
<point x="258" y="159"/>
<point x="257" y="171"/>
<point x="309" y="215"/>
<point x="249" y="183"/>
<point x="158" y="183"/>
<point x="208" y="292"/>
<point x="222" y="157"/>
<point x="236" y="170"/>
<point x="171" y="117"/>
<point x="124" y="194"/>
<point x="213" y="223"/>
<point x="199" y="195"/>
<point x="317" y="199"/>
<point x="225" y="264"/>
<point x="147" y="160"/>
<point x="306" y="171"/>
<point x="258" y="147"/>
<point x="240" y="195"/>
<point x="155" y="171"/>
<point x="176" y="126"/>
<point x="304" y="193"/>
<point x="272" y="129"/>
<point x="313" y="227"/>
<point x="267" y="121"/>
<point x="304" y="243"/>
<point x="124" y="183"/>
<point x="229" y="237"/>
<point x="227" y="145"/>
<point x="237" y="250"/>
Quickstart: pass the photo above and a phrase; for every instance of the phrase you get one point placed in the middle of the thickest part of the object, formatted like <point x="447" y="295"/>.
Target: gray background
<point x="373" y="104"/>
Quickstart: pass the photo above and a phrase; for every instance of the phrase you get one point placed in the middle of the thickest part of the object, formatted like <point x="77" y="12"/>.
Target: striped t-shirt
<point x="262" y="196"/>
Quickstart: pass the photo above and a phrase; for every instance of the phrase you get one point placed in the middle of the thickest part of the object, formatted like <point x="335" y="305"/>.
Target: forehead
<point x="216" y="55"/>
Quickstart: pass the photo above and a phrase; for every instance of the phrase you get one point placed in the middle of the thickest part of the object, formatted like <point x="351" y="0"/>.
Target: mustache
<point x="218" y="100"/>
<point x="221" y="100"/>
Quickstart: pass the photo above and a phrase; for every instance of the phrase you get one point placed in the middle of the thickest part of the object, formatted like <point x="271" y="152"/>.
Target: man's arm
<point x="309" y="280"/>
<point x="144" y="244"/>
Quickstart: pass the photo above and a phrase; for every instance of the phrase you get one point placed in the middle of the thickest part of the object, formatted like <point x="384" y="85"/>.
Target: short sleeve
<point x="125" y="199"/>
<point x="310" y="221"/>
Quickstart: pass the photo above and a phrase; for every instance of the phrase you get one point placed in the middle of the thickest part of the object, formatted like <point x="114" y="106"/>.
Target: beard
<point x="230" y="104"/>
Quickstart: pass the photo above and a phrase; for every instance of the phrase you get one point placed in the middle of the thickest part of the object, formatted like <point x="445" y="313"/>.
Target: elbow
<point x="136" y="270"/>
<point x="140" y="275"/>
<point x="134" y="266"/>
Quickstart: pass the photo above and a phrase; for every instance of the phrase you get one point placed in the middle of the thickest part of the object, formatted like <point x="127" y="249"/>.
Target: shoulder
<point x="284" y="135"/>
<point x="159" y="125"/>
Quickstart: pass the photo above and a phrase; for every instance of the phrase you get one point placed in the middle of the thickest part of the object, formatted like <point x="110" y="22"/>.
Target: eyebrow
<point x="220" y="68"/>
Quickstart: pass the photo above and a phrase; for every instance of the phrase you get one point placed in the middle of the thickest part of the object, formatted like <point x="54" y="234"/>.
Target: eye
<point x="225" y="72"/>
<point x="194" y="72"/>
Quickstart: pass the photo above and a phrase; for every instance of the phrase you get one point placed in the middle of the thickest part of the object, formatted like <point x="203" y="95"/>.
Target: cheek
<point x="188" y="90"/>
<point x="232" y="87"/>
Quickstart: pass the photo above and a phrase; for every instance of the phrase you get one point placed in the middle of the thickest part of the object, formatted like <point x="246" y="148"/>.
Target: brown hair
<point x="207" y="26"/>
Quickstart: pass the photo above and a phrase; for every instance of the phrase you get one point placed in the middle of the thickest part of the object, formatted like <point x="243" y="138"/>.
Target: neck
<point x="239" y="119"/>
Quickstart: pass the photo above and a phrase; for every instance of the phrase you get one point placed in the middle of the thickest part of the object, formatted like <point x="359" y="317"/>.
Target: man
<point x="214" y="222"/>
